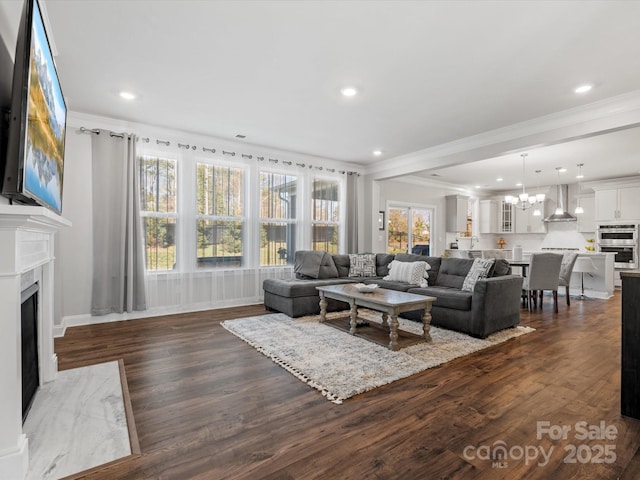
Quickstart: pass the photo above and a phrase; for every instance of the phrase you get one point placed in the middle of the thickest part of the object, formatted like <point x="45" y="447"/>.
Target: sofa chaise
<point x="492" y="305"/>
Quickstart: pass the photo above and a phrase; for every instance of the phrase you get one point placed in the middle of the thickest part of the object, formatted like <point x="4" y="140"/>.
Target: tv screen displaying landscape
<point x="45" y="132"/>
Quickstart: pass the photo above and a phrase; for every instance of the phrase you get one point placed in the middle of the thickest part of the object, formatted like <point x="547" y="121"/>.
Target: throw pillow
<point x="362" y="264"/>
<point x="410" y="272"/>
<point x="479" y="269"/>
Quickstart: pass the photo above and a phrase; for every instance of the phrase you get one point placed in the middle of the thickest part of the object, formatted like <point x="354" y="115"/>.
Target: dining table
<point x="522" y="264"/>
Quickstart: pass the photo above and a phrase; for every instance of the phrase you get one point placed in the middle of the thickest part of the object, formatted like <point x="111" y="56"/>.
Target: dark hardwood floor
<point x="208" y="406"/>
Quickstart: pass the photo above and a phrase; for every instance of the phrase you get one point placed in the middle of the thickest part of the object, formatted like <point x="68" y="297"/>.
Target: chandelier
<point x="523" y="200"/>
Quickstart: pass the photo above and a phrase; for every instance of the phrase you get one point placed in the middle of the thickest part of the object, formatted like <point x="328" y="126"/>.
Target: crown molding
<point x="427" y="182"/>
<point x="622" y="111"/>
<point x="613" y="183"/>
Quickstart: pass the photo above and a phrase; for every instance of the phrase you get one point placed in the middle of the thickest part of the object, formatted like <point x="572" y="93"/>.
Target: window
<point x="325" y="221"/>
<point x="278" y="215"/>
<point x="158" y="211"/>
<point x="404" y="235"/>
<point x="220" y="215"/>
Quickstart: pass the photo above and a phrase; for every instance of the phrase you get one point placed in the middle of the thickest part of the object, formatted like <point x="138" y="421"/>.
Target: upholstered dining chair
<point x="544" y="274"/>
<point x="566" y="269"/>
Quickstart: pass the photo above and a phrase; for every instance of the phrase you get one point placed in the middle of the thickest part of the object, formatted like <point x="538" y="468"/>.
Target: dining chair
<point x="544" y="274"/>
<point x="566" y="269"/>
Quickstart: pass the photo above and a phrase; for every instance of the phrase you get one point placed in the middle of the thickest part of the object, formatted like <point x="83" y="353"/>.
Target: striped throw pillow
<point x="410" y="272"/>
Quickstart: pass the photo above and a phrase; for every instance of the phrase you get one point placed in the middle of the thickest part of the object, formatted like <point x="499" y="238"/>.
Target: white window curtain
<point x="118" y="237"/>
<point x="351" y="217"/>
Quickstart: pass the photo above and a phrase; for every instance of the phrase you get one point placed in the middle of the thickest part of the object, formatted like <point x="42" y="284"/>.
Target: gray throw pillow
<point x="362" y="264"/>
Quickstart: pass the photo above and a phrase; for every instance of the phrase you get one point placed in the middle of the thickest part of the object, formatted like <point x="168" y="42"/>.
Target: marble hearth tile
<point x="77" y="422"/>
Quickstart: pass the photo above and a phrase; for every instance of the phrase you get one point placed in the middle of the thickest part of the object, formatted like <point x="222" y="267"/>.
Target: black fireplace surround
<point x="29" y="334"/>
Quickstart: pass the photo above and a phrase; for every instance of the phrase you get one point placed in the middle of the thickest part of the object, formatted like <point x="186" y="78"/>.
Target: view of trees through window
<point x="407" y="228"/>
<point x="220" y="215"/>
<point x="325" y="228"/>
<point x="220" y="227"/>
<point x="278" y="215"/>
<point x="158" y="200"/>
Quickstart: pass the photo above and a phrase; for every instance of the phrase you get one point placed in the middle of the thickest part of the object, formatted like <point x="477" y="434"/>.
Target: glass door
<point x="420" y="231"/>
<point x="409" y="230"/>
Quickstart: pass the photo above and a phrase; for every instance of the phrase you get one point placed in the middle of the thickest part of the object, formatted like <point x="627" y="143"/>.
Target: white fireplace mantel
<point x="26" y="245"/>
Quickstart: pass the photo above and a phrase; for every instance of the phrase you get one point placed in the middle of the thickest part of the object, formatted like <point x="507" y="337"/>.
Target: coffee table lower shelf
<point x="390" y="304"/>
<point x="375" y="332"/>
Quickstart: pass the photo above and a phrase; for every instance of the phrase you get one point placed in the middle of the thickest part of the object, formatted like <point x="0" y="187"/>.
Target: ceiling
<point x="427" y="72"/>
<point x="612" y="155"/>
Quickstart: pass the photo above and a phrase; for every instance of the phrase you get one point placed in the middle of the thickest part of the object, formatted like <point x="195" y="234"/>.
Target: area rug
<point x="341" y="365"/>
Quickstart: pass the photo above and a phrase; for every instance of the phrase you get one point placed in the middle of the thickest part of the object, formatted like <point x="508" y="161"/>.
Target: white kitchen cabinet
<point x="488" y="216"/>
<point x="526" y="222"/>
<point x="618" y="204"/>
<point x="457" y="208"/>
<point x="506" y="217"/>
<point x="587" y="221"/>
<point x="629" y="199"/>
<point x="606" y="204"/>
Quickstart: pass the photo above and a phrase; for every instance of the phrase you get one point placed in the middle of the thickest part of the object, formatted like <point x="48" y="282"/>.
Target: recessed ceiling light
<point x="562" y="169"/>
<point x="127" y="95"/>
<point x="499" y="179"/>
<point x="583" y="88"/>
<point x="518" y="184"/>
<point x="377" y="153"/>
<point x="478" y="186"/>
<point x="580" y="176"/>
<point x="349" y="91"/>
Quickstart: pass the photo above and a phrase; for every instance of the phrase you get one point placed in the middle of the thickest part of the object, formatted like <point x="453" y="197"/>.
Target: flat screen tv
<point x="33" y="170"/>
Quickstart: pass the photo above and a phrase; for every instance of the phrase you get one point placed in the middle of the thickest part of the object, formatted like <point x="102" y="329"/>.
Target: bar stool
<point x="584" y="265"/>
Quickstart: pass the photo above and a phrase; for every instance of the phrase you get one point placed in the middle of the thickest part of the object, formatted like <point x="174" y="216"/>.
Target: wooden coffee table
<point x="388" y="302"/>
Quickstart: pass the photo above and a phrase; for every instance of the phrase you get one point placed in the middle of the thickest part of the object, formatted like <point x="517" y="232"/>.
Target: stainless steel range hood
<point x="563" y="202"/>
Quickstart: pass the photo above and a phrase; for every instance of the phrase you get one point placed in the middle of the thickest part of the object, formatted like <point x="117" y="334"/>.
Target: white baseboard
<point x="87" y="319"/>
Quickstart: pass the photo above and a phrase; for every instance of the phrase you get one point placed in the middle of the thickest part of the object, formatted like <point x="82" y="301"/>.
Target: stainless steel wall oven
<point x="621" y="240"/>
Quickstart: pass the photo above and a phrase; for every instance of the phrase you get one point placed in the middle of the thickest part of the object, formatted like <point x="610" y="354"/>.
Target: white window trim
<point x="186" y="215"/>
<point x="175" y="215"/>
<point x="245" y="219"/>
<point x="291" y="221"/>
<point x="341" y="223"/>
<point x="434" y="244"/>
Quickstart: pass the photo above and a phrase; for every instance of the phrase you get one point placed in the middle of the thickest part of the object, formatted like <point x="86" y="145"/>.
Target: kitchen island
<point x="599" y="284"/>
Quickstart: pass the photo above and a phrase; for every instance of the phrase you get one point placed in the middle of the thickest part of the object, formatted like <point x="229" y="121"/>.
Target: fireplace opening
<point x="29" y="329"/>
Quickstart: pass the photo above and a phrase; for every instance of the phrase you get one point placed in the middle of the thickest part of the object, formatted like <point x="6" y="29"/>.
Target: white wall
<point x="74" y="247"/>
<point x="75" y="251"/>
<point x="415" y="193"/>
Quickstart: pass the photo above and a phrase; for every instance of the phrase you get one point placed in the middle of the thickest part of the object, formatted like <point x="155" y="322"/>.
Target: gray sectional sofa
<point x="493" y="305"/>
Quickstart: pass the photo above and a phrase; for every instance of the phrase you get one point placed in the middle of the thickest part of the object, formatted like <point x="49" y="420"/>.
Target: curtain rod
<point x="186" y="146"/>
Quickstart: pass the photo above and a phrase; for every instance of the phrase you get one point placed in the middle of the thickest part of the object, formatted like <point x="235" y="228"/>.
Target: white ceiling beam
<point x="597" y="118"/>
